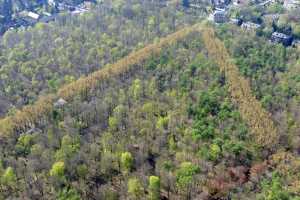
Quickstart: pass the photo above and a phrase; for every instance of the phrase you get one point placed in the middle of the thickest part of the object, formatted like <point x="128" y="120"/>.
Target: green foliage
<point x="8" y="177"/>
<point x="24" y="144"/>
<point x="58" y="169"/>
<point x="69" y="146"/>
<point x="135" y="189"/>
<point x="74" y="47"/>
<point x="273" y="190"/>
<point x="136" y="89"/>
<point x="154" y="188"/>
<point x="169" y="109"/>
<point x="113" y="123"/>
<point x="214" y="152"/>
<point x="185" y="174"/>
<point x="68" y="194"/>
<point x="82" y="170"/>
<point x="162" y="122"/>
<point x="296" y="30"/>
<point x="126" y="162"/>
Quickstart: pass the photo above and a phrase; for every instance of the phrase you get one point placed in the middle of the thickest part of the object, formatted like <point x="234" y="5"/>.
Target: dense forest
<point x="274" y="79"/>
<point x="39" y="60"/>
<point x="141" y="101"/>
<point x="164" y="126"/>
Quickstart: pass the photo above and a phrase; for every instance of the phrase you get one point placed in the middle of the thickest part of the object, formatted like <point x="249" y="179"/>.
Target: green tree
<point x="185" y="176"/>
<point x="162" y="122"/>
<point x="154" y="188"/>
<point x="135" y="189"/>
<point x="24" y="144"/>
<point x="69" y="146"/>
<point x="68" y="194"/>
<point x="82" y="170"/>
<point x="136" y="89"/>
<point x="126" y="162"/>
<point x="296" y="30"/>
<point x="58" y="169"/>
<point x="9" y="177"/>
<point x="273" y="190"/>
<point x="214" y="152"/>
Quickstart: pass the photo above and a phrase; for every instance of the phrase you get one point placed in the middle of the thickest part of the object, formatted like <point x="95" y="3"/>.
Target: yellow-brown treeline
<point x="251" y="110"/>
<point x="258" y="119"/>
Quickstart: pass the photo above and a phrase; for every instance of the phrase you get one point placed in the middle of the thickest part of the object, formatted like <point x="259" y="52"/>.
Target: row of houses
<point x="291" y="4"/>
<point x="29" y="18"/>
<point x="221" y="16"/>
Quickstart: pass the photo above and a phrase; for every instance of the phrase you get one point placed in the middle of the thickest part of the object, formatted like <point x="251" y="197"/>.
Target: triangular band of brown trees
<point x="259" y="120"/>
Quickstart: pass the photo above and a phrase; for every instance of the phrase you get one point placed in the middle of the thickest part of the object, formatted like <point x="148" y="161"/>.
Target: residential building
<point x="291" y="4"/>
<point x="52" y="3"/>
<point x="33" y="15"/>
<point x="282" y="38"/>
<point x="236" y="21"/>
<point x="250" y="26"/>
<point x="220" y="3"/>
<point x="220" y="16"/>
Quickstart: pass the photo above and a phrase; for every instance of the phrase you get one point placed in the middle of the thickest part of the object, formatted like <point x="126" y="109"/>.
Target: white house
<point x="250" y="26"/>
<point x="33" y="15"/>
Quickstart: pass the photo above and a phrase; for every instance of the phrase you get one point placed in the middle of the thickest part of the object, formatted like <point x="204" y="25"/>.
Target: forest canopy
<point x="136" y="100"/>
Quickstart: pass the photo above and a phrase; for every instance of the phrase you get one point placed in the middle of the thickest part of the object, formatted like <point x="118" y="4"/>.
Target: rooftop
<point x="250" y="25"/>
<point x="280" y="35"/>
<point x="33" y="15"/>
<point x="60" y="102"/>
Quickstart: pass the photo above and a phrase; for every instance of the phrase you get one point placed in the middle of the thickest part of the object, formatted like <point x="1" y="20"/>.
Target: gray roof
<point x="280" y="35"/>
<point x="60" y="102"/>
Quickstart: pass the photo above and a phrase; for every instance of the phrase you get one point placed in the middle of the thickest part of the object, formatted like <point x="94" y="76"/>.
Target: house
<point x="236" y="21"/>
<point x="282" y="38"/>
<point x="220" y="3"/>
<point x="33" y="15"/>
<point x="198" y="4"/>
<point x="79" y="10"/>
<point x="65" y="7"/>
<point x="60" y="103"/>
<point x="220" y="16"/>
<point x="240" y="2"/>
<point x="291" y="4"/>
<point x="266" y="3"/>
<point x="52" y="3"/>
<point x="87" y="5"/>
<point x="250" y="26"/>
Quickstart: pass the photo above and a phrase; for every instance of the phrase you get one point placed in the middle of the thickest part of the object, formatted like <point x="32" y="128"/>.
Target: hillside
<point x="168" y="117"/>
<point x="136" y="100"/>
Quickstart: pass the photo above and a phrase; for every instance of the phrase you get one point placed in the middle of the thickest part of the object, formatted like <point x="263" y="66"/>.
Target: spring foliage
<point x="39" y="111"/>
<point x="259" y="120"/>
